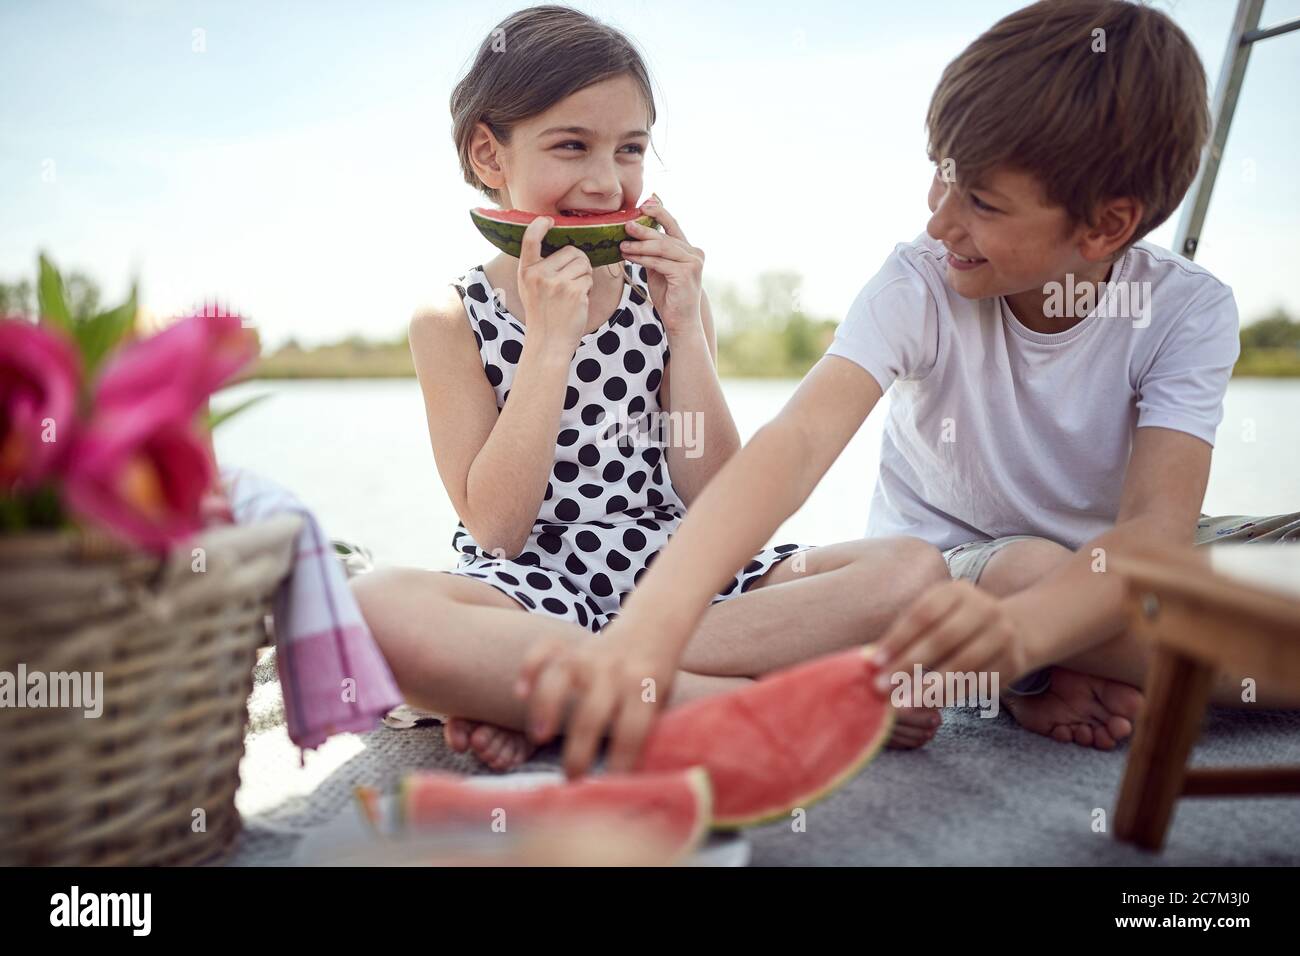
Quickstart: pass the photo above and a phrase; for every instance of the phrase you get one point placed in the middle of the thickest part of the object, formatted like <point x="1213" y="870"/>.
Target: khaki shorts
<point x="967" y="561"/>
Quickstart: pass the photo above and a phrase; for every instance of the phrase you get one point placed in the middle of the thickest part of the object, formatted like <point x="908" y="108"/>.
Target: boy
<point x="1057" y="388"/>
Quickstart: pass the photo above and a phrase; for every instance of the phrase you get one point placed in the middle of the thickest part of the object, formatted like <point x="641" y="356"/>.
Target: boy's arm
<point x="957" y="627"/>
<point x="1075" y="605"/>
<point x="751" y="496"/>
<point x="761" y="486"/>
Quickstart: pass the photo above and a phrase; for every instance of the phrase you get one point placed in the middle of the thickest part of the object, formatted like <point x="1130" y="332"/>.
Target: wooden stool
<point x="1230" y="607"/>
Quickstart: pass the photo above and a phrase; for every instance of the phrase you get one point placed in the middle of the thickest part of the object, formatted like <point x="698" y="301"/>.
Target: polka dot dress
<point x="609" y="506"/>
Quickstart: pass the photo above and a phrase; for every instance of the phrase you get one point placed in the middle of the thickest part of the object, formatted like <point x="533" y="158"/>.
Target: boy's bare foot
<point x="497" y="747"/>
<point x="913" y="727"/>
<point x="1080" y="708"/>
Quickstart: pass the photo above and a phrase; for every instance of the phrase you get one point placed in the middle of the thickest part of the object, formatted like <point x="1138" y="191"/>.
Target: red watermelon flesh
<point x="675" y="805"/>
<point x="782" y="742"/>
<point x="522" y="217"/>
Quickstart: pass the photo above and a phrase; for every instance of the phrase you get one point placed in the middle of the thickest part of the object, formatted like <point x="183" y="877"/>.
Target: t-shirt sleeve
<point x="1184" y="387"/>
<point x="892" y="328"/>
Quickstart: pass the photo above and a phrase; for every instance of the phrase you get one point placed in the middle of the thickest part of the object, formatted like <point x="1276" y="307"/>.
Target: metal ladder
<point x="1245" y="33"/>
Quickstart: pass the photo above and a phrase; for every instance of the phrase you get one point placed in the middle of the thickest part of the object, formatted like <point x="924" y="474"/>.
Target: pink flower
<point x="192" y="358"/>
<point x="39" y="375"/>
<point x="141" y="472"/>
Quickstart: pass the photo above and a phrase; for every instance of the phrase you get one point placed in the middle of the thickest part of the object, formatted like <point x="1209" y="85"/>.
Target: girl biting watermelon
<point x="540" y="374"/>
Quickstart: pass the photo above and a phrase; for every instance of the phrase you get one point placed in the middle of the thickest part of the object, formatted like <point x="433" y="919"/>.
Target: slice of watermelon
<point x="675" y="806"/>
<point x="782" y="742"/>
<point x="596" y="235"/>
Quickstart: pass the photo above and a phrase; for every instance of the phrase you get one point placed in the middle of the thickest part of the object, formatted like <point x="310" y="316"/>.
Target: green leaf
<point x="50" y="299"/>
<point x="100" y="334"/>
<point x="216" y="418"/>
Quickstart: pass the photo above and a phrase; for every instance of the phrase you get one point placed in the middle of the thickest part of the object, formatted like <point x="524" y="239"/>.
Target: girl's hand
<point x="610" y="686"/>
<point x="954" y="627"/>
<point x="675" y="267"/>
<point x="554" y="290"/>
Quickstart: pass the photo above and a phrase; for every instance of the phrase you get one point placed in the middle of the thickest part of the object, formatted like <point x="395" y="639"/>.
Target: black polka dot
<point x="615" y="389"/>
<point x="616" y="503"/>
<point x="613" y="472"/>
<point x="555" y="606"/>
<point x="626" y="446"/>
<point x="478" y="340"/>
<point x="566" y="509"/>
<point x="567" y="437"/>
<point x="587" y="541"/>
<point x="658" y="474"/>
<point x="617" y="560"/>
<point x="652" y="380"/>
<point x="636" y="406"/>
<point x="651" y="456"/>
<point x="574" y="565"/>
<point x="538" y="580"/>
<point x="478" y="292"/>
<point x="589" y="455"/>
<point x="579" y="610"/>
<point x="590" y="491"/>
<point x="568" y="586"/>
<point x="624" y="318"/>
<point x="570" y="397"/>
<point x="608" y="343"/>
<point x="648" y="523"/>
<point x="588" y="370"/>
<point x="550" y="492"/>
<point x="592" y="414"/>
<point x="530" y="558"/>
<point x="494" y="374"/>
<point x="653" y="497"/>
<point x="633" y="360"/>
<point x="488" y="331"/>
<point x="511" y="351"/>
<point x="550" y="543"/>
<point x="508" y="578"/>
<point x="650" y="334"/>
<point x="636" y="296"/>
<point x="730" y="587"/>
<point x="565" y="471"/>
<point x="633" y="539"/>
<point x="637" y="481"/>
<point x="753" y="566"/>
<point x="526" y="600"/>
<point x="786" y="548"/>
<point x="600" y="585"/>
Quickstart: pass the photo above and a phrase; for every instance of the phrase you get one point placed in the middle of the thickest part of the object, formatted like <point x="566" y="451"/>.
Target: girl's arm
<point x="705" y="433"/>
<point x="495" y="466"/>
<point x="736" y="514"/>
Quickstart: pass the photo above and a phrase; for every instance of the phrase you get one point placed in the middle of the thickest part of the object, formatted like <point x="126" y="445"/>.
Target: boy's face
<point x="584" y="154"/>
<point x="1003" y="236"/>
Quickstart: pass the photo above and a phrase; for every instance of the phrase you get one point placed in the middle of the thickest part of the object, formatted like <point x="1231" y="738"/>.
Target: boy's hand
<point x="675" y="268"/>
<point x="955" y="627"/>
<point x="609" y="686"/>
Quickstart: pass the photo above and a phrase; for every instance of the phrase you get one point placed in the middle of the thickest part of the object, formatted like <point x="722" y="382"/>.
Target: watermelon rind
<point x="600" y="243"/>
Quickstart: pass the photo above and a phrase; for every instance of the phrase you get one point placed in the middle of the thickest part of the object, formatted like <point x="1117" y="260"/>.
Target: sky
<point x="295" y="159"/>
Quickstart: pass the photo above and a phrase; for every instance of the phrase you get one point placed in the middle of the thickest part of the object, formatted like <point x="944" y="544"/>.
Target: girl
<point x="539" y="376"/>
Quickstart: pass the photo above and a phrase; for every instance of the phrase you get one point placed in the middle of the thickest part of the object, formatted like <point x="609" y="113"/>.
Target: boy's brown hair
<point x="1097" y="98"/>
<point x="529" y="62"/>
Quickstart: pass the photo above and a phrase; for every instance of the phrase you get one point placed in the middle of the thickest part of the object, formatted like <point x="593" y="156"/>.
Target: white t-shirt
<point x="995" y="429"/>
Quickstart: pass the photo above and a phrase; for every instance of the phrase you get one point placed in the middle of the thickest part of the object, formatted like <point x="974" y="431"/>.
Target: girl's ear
<point x="485" y="155"/>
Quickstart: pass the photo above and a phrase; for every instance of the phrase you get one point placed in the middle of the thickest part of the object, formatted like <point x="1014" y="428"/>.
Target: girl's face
<point x="586" y="154"/>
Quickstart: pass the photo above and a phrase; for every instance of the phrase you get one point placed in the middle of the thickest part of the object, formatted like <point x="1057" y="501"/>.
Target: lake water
<point x="357" y="453"/>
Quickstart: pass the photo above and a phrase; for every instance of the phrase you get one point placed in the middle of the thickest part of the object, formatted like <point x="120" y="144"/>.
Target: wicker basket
<point x="176" y="648"/>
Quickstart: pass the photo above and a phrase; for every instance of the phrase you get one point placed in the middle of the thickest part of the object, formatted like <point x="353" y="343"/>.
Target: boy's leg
<point x="1069" y="703"/>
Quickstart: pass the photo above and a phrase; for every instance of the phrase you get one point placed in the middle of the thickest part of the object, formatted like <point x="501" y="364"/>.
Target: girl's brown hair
<point x="1098" y="98"/>
<point x="529" y="62"/>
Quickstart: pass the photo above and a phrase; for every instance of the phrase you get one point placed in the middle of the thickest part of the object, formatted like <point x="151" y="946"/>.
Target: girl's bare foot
<point x="913" y="727"/>
<point x="497" y="747"/>
<point x="1079" y="708"/>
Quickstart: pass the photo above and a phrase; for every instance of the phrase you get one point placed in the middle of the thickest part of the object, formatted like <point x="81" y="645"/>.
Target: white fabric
<point x="995" y="429"/>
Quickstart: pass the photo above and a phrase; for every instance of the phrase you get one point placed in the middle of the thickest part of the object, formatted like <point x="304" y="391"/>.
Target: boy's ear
<point x="1113" y="226"/>
<point x="485" y="155"/>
